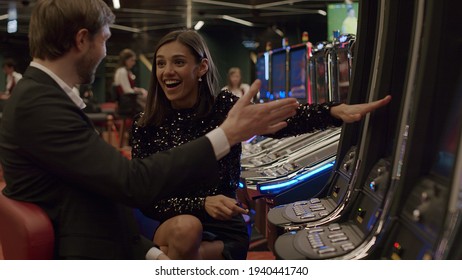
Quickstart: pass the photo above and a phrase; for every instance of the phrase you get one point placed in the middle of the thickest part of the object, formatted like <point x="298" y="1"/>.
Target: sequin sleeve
<point x="309" y="118"/>
<point x="167" y="208"/>
<point x="182" y="128"/>
<point x="136" y="150"/>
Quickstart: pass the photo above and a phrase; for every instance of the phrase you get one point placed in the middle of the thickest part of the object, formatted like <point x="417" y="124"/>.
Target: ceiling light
<point x="198" y="25"/>
<point x="125" y="28"/>
<point x="250" y="44"/>
<point x="321" y="12"/>
<point x="237" y="20"/>
<point x="277" y="30"/>
<point x="12" y="26"/>
<point x="116" y="4"/>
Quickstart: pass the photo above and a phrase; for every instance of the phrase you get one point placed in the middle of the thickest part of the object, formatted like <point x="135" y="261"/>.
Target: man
<point x="52" y="156"/>
<point x="12" y="77"/>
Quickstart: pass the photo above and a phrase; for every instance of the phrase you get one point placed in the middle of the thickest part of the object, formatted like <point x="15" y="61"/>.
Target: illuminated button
<point x="299" y="210"/>
<point x="323" y="213"/>
<point x="307" y="215"/>
<point x="416" y="215"/>
<point x="314" y="237"/>
<point x="315" y="200"/>
<point x="361" y="212"/>
<point x="424" y="196"/>
<point x="334" y="227"/>
<point x="339" y="239"/>
<point x="333" y="235"/>
<point x="397" y="251"/>
<point x="270" y="173"/>
<point x="317" y="207"/>
<point x="317" y="245"/>
<point x="315" y="230"/>
<point x="303" y="202"/>
<point x="373" y="186"/>
<point x="326" y="250"/>
<point x="347" y="246"/>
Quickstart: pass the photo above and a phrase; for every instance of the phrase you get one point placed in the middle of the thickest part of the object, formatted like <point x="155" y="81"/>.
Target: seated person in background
<point x="131" y="99"/>
<point x="235" y="85"/>
<point x="86" y="93"/>
<point x="12" y="77"/>
<point x="201" y="221"/>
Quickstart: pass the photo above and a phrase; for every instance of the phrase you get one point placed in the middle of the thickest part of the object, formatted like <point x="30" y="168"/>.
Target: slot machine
<point x="426" y="221"/>
<point x="349" y="233"/>
<point x="282" y="217"/>
<point x="341" y="62"/>
<point x="299" y="82"/>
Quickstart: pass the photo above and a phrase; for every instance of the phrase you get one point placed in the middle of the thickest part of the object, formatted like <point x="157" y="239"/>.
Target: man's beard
<point x="86" y="68"/>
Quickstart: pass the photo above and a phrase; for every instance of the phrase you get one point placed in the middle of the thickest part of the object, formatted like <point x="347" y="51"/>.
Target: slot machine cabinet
<point x="283" y="218"/>
<point x="299" y="81"/>
<point x="278" y="73"/>
<point x="349" y="235"/>
<point x="426" y="224"/>
<point x="318" y="72"/>
<point x="341" y="62"/>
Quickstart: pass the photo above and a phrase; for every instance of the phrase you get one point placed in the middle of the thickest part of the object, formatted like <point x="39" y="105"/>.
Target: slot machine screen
<point x="321" y="78"/>
<point x="298" y="87"/>
<point x="342" y="17"/>
<point x="344" y="72"/>
<point x="278" y="74"/>
<point x="447" y="150"/>
<point x="262" y="73"/>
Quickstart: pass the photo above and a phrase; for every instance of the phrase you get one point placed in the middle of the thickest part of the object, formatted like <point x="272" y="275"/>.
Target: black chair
<point x="127" y="108"/>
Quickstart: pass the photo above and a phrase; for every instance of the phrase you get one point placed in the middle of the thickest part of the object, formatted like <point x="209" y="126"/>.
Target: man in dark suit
<point x="52" y="156"/>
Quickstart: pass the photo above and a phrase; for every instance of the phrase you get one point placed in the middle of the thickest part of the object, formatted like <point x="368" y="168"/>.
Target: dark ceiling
<point x="147" y="20"/>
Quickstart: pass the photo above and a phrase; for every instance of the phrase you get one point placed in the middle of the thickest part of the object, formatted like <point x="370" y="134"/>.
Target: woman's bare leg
<point x="180" y="237"/>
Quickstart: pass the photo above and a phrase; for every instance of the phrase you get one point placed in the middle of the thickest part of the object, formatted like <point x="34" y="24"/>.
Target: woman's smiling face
<point x="178" y="72"/>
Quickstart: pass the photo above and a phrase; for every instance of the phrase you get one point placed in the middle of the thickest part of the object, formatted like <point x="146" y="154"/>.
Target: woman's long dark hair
<point x="157" y="104"/>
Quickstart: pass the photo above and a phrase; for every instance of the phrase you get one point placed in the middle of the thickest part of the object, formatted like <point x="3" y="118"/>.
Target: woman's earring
<point x="200" y="79"/>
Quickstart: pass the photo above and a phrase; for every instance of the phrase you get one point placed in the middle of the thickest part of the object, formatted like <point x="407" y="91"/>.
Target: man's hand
<point x="246" y="119"/>
<point x="223" y="208"/>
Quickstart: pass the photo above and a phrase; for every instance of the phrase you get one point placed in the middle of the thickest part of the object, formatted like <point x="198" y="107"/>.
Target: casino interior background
<point x="387" y="187"/>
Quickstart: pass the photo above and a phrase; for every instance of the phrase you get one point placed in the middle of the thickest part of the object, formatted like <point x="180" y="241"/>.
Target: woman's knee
<point x="185" y="227"/>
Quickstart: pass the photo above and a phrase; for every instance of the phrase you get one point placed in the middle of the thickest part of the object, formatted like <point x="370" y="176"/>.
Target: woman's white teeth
<point x="172" y="83"/>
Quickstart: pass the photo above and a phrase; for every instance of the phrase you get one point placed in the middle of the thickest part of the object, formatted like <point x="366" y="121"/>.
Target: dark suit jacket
<point x="52" y="156"/>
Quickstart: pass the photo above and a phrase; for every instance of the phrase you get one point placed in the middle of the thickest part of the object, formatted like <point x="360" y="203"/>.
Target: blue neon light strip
<point x="297" y="179"/>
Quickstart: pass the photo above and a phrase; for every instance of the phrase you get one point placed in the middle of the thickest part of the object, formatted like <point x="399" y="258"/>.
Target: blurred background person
<point x="12" y="77"/>
<point x="131" y="99"/>
<point x="350" y="23"/>
<point x="235" y="84"/>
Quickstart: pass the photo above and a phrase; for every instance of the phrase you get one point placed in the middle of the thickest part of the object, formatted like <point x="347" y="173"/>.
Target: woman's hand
<point x="223" y="208"/>
<point x="353" y="113"/>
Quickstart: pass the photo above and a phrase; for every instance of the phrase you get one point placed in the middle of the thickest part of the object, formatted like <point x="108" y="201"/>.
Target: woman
<point x="235" y="84"/>
<point x="183" y="104"/>
<point x="131" y="99"/>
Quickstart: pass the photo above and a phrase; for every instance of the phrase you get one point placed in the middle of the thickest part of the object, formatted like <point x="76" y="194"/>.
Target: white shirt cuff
<point x="219" y="142"/>
<point x="153" y="253"/>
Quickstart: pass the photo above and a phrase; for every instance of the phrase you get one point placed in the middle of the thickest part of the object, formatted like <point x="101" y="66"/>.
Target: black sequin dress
<point x="183" y="126"/>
